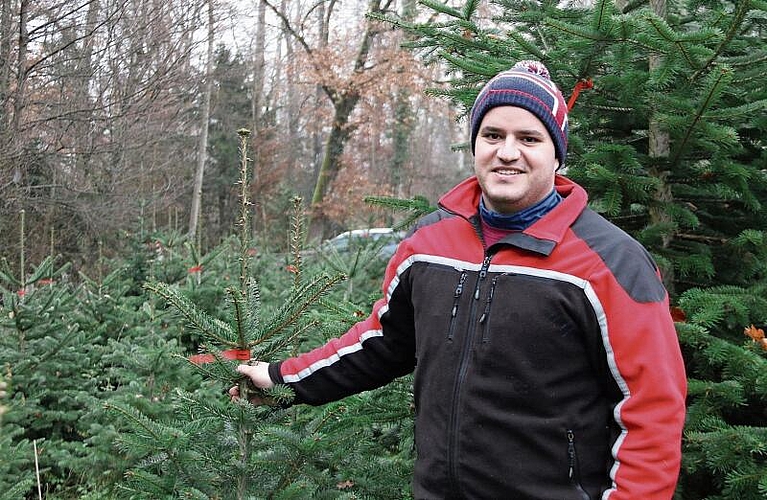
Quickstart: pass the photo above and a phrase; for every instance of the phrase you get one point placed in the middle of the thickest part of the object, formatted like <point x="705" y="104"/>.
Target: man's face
<point x="514" y="159"/>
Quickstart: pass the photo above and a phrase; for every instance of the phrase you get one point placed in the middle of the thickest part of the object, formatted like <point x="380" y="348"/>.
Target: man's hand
<point x="258" y="373"/>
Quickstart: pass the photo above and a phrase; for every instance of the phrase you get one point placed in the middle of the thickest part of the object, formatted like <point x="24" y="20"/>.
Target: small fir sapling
<point x="248" y="335"/>
<point x="212" y="444"/>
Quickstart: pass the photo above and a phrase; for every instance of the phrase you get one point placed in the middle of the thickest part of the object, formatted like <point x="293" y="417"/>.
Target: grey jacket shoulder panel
<point x="623" y="255"/>
<point x="431" y="218"/>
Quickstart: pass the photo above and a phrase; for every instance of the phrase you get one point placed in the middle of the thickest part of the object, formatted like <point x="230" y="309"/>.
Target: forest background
<point x="168" y="170"/>
<point x="113" y="113"/>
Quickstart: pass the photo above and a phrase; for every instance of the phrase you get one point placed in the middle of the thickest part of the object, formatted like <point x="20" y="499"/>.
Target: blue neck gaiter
<point x="523" y="219"/>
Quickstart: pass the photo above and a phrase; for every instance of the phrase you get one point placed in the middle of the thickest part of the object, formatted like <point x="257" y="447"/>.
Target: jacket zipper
<point x="572" y="469"/>
<point x="454" y="312"/>
<point x="483" y="320"/>
<point x="462" y="368"/>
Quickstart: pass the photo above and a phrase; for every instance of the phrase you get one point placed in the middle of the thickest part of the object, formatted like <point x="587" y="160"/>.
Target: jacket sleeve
<point x="646" y="362"/>
<point x="371" y="354"/>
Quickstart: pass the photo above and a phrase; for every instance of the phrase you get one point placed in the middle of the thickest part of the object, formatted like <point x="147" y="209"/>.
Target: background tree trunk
<point x="344" y="103"/>
<point x="202" y="144"/>
<point x="21" y="79"/>
<point x="259" y="65"/>
<point x="659" y="148"/>
<point x="404" y="121"/>
<point x="6" y="32"/>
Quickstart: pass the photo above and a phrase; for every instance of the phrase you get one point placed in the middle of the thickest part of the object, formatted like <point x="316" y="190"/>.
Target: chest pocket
<point x="441" y="298"/>
<point x="532" y="308"/>
<point x="542" y="332"/>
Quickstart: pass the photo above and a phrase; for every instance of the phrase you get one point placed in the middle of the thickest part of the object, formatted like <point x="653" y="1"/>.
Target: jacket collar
<point x="543" y="236"/>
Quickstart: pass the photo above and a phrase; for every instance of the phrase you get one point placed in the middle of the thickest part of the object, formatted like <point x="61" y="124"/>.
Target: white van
<point x="360" y="238"/>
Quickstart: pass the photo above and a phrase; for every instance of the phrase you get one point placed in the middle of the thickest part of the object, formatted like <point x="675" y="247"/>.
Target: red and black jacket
<point x="546" y="366"/>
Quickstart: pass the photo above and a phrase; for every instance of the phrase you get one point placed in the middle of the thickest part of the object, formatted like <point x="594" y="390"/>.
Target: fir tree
<point x="69" y="348"/>
<point x="138" y="362"/>
<point x="212" y="448"/>
<point x="725" y="453"/>
<point x="44" y="357"/>
<point x="14" y="482"/>
<point x="16" y="477"/>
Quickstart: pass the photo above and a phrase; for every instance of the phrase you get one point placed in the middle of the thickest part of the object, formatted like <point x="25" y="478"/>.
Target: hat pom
<point x="534" y="67"/>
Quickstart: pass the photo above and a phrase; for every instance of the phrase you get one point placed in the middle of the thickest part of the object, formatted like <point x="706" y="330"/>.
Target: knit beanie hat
<point x="527" y="85"/>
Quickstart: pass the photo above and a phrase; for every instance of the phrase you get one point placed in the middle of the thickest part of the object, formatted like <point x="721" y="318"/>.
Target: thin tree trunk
<point x="6" y="134"/>
<point x="319" y="95"/>
<point x="202" y="144"/>
<point x="82" y="98"/>
<point x="258" y="68"/>
<point x="5" y="58"/>
<point x="659" y="149"/>
<point x="259" y="71"/>
<point x="404" y="121"/>
<point x="659" y="146"/>
<point x="21" y="65"/>
<point x="21" y="79"/>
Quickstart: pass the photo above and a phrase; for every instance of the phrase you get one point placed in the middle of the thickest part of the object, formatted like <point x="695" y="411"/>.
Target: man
<point x="546" y="364"/>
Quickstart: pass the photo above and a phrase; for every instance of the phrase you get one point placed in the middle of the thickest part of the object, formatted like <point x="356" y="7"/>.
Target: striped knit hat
<point x="527" y="85"/>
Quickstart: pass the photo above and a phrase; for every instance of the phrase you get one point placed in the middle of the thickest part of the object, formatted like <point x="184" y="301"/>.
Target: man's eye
<point x="492" y="136"/>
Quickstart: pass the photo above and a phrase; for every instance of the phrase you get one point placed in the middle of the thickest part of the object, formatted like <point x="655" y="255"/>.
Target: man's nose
<point x="508" y="150"/>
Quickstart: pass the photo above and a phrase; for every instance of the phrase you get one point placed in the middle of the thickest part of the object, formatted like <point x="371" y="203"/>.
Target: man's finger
<point x="246" y="369"/>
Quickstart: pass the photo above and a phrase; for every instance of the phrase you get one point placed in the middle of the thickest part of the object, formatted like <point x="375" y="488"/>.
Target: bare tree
<point x="342" y="84"/>
<point x="103" y="104"/>
<point x="6" y="33"/>
<point x="95" y="111"/>
<point x="202" y="143"/>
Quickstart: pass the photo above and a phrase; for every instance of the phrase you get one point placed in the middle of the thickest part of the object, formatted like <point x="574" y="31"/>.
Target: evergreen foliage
<point x="16" y="476"/>
<point x="12" y="483"/>
<point x="67" y="348"/>
<point x="98" y="377"/>
<point x="726" y="439"/>
<point x="45" y="355"/>
<point x="213" y="448"/>
<point x="412" y="209"/>
<point x="706" y="94"/>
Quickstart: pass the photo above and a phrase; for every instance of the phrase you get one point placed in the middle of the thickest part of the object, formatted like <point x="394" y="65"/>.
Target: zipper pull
<point x="459" y="288"/>
<point x="456" y="297"/>
<point x="457" y="294"/>
<point x="489" y="300"/>
<point x="485" y="266"/>
<point x="571" y="453"/>
<point x="482" y="274"/>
